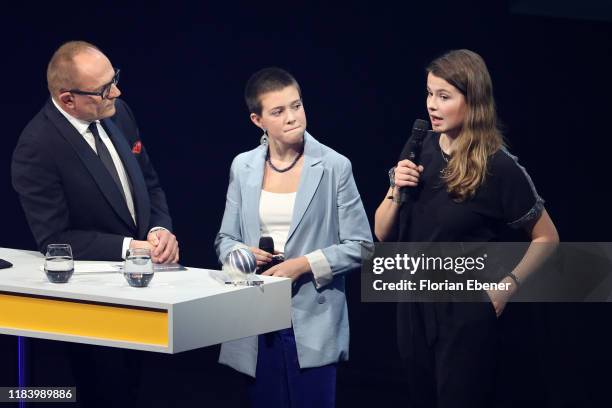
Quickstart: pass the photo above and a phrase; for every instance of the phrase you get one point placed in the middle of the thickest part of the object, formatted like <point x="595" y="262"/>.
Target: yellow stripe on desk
<point x="78" y="318"/>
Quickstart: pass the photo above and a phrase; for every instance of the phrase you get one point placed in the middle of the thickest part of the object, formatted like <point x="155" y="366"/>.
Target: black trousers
<point x="450" y="352"/>
<point x="105" y="376"/>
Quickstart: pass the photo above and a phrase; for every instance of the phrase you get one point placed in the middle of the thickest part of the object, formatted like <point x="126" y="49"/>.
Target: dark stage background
<point x="361" y="68"/>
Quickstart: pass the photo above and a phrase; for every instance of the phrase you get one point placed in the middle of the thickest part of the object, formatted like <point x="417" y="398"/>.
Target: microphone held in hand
<point x="267" y="244"/>
<point x="412" y="149"/>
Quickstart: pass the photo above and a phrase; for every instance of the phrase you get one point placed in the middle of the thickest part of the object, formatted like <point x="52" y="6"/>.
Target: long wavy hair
<point x="480" y="136"/>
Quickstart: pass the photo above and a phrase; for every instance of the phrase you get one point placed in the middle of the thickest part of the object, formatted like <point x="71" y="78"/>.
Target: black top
<point x="507" y="198"/>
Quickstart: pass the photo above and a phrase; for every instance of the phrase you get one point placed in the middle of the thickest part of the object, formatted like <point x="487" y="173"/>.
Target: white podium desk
<point x="178" y="311"/>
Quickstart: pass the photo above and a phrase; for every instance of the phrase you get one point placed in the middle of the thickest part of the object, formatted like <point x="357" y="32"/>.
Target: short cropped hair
<point x="62" y="71"/>
<point x="266" y="80"/>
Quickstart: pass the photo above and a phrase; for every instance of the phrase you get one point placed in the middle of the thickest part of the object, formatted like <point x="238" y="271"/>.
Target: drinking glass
<point x="138" y="267"/>
<point x="59" y="265"/>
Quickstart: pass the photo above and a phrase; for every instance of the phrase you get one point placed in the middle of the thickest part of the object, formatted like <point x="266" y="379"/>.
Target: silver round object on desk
<point x="242" y="260"/>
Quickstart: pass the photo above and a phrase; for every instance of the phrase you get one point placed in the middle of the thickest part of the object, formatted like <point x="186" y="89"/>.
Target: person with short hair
<point x="302" y="194"/>
<point x="83" y="176"/>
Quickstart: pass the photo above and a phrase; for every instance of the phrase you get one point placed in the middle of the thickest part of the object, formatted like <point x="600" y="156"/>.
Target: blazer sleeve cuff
<point x="321" y="269"/>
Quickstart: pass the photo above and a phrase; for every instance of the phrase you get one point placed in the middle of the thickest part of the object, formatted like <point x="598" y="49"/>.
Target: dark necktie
<point x="105" y="156"/>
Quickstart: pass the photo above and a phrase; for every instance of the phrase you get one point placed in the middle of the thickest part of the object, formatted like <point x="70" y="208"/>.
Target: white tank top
<point x="275" y="213"/>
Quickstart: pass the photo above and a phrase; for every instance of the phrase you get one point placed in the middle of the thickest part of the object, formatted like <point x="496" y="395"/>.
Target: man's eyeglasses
<point x="104" y="92"/>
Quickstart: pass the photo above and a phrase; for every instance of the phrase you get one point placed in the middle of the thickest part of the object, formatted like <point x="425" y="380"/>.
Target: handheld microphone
<point x="267" y="244"/>
<point x="412" y="150"/>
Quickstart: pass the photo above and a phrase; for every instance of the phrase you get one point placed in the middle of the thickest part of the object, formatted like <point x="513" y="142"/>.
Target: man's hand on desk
<point x="135" y="244"/>
<point x="164" y="245"/>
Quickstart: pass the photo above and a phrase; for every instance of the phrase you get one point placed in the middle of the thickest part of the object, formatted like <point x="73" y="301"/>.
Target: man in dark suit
<point x="85" y="179"/>
<point x="82" y="174"/>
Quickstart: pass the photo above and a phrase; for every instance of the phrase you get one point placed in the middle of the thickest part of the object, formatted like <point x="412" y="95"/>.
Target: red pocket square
<point x="137" y="148"/>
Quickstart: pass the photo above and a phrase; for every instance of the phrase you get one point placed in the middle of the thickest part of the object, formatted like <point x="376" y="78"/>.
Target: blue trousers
<point x="280" y="382"/>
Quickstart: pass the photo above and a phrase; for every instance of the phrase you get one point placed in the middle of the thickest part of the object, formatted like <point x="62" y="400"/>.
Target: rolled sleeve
<point x="321" y="269"/>
<point x="521" y="204"/>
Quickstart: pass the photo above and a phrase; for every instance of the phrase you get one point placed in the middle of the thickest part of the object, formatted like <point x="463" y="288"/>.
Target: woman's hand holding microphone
<point x="407" y="174"/>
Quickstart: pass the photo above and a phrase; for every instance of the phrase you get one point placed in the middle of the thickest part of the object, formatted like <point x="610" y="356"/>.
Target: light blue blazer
<point x="329" y="216"/>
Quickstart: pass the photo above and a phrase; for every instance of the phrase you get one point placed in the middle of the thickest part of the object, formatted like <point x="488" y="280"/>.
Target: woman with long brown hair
<point x="470" y="188"/>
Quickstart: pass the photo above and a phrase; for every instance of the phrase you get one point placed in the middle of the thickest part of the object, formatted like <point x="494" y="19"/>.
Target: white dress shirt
<point x="82" y="127"/>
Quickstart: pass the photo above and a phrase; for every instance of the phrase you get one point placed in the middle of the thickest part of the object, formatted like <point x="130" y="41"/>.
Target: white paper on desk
<point x="113" y="267"/>
<point x="173" y="267"/>
<point x="97" y="267"/>
<point x="91" y="267"/>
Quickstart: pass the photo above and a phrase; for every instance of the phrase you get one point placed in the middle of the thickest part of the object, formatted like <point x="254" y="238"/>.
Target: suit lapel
<point x="92" y="163"/>
<point x="312" y="173"/>
<point x="140" y="193"/>
<point x="252" y="192"/>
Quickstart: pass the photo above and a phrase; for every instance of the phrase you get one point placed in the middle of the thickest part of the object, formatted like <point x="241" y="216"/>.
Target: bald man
<point x="81" y="171"/>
